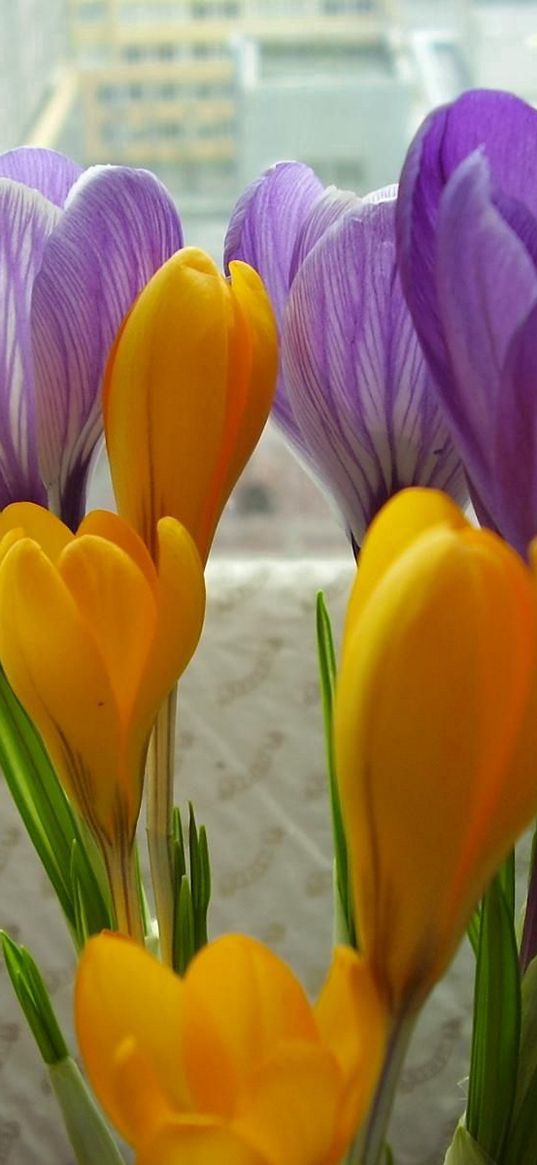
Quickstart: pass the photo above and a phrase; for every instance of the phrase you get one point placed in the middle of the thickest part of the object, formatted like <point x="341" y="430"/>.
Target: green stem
<point x="369" y="1144"/>
<point x="120" y="862"/>
<point x="159" y="821"/>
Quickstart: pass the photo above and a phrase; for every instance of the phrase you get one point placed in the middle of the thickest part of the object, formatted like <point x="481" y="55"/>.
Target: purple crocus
<point x="75" y="251"/>
<point x="467" y="249"/>
<point x="355" y="395"/>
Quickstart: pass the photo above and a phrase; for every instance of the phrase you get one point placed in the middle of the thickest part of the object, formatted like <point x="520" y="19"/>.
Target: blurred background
<point x="207" y="93"/>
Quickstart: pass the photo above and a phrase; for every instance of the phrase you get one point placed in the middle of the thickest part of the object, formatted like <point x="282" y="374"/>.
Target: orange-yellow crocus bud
<point x="230" y="1064"/>
<point x="188" y="389"/>
<point x="435" y="732"/>
<point x="93" y="635"/>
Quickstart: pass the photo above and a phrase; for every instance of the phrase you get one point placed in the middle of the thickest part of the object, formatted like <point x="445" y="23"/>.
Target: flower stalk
<point x="159" y="820"/>
<point x="368" y="1146"/>
<point x="120" y="862"/>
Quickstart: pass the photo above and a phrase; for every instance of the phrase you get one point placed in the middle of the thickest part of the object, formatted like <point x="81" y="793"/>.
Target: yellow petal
<point x="107" y="525"/>
<point x="249" y="290"/>
<point x="125" y="999"/>
<point x="180" y="610"/>
<point x="191" y="1142"/>
<point x="118" y="607"/>
<point x="39" y="524"/>
<point x="242" y="1001"/>
<point x="399" y="523"/>
<point x="432" y="691"/>
<point x="252" y="371"/>
<point x="165" y="394"/>
<point x="289" y="1106"/>
<point x="55" y="669"/>
<point x="353" y="1025"/>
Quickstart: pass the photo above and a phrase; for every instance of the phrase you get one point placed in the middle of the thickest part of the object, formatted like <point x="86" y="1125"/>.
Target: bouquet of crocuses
<point x="399" y="334"/>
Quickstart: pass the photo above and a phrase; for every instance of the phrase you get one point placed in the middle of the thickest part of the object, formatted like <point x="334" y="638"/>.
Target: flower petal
<point x="47" y="171"/>
<point x="38" y="523"/>
<point x="119" y="226"/>
<point x="262" y="231"/>
<point x="289" y="1107"/>
<point x="357" y="381"/>
<point x="515" y="453"/>
<point x="505" y="128"/>
<point x="198" y="1142"/>
<point x="424" y="748"/>
<point x="241" y="1001"/>
<point x="487" y="286"/>
<point x="396" y="527"/>
<point x="118" y="607"/>
<point x="43" y="639"/>
<point x="353" y="1025"/>
<point x="327" y="210"/>
<point x="170" y="363"/>
<point x="114" y="977"/>
<point x="27" y="221"/>
<point x="180" y="613"/>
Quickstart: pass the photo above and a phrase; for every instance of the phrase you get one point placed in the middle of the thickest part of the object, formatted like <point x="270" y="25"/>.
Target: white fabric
<point x="251" y="757"/>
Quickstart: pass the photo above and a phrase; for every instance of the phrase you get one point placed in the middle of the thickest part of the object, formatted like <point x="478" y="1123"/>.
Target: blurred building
<point x="209" y="91"/>
<point x="36" y="85"/>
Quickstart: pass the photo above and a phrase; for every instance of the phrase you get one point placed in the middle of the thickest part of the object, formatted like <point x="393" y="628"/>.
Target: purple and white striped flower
<point x="467" y="248"/>
<point x="355" y="396"/>
<point x="75" y="251"/>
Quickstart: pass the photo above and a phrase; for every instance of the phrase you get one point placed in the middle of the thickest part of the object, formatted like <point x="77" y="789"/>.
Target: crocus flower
<point x="188" y="388"/>
<point x="75" y="251"/>
<point x="467" y="235"/>
<point x="92" y="637"/>
<point x="435" y="733"/>
<point x="355" y="395"/>
<point x="230" y="1064"/>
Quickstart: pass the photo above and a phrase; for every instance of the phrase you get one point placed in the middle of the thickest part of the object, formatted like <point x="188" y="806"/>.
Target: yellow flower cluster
<point x="435" y="737"/>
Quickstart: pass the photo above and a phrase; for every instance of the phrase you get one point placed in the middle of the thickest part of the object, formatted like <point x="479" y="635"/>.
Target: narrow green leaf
<point x="521" y="1148"/>
<point x="49" y="820"/>
<point x="184" y="946"/>
<point x="92" y="913"/>
<point x="473" y="928"/>
<point x="496" y="1029"/>
<point x="177" y="833"/>
<point x="34" y="1000"/>
<point x="88" y="1132"/>
<point x="506" y="875"/>
<point x="527" y="1065"/>
<point x="327" y="678"/>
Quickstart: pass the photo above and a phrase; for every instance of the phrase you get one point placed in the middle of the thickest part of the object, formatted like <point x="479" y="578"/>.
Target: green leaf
<point x="327" y="678"/>
<point x="92" y="913"/>
<point x="90" y="1137"/>
<point x="473" y="928"/>
<point x="34" y="999"/>
<point x="464" y="1150"/>
<point x="183" y="928"/>
<point x="527" y="1067"/>
<point x="49" y="820"/>
<point x="496" y="1029"/>
<point x="522" y="1141"/>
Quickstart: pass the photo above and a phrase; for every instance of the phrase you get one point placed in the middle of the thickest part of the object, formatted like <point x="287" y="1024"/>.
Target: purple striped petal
<point x="45" y="170"/>
<point x="27" y="220"/>
<point x="487" y="287"/>
<point x="356" y="377"/>
<point x="118" y="227"/>
<point x="262" y="231"/>
<point x="325" y="212"/>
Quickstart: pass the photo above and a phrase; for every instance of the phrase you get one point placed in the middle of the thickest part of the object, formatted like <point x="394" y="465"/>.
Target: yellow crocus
<point x="435" y="732"/>
<point x="230" y="1064"/>
<point x="188" y="389"/>
<point x="93" y="635"/>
